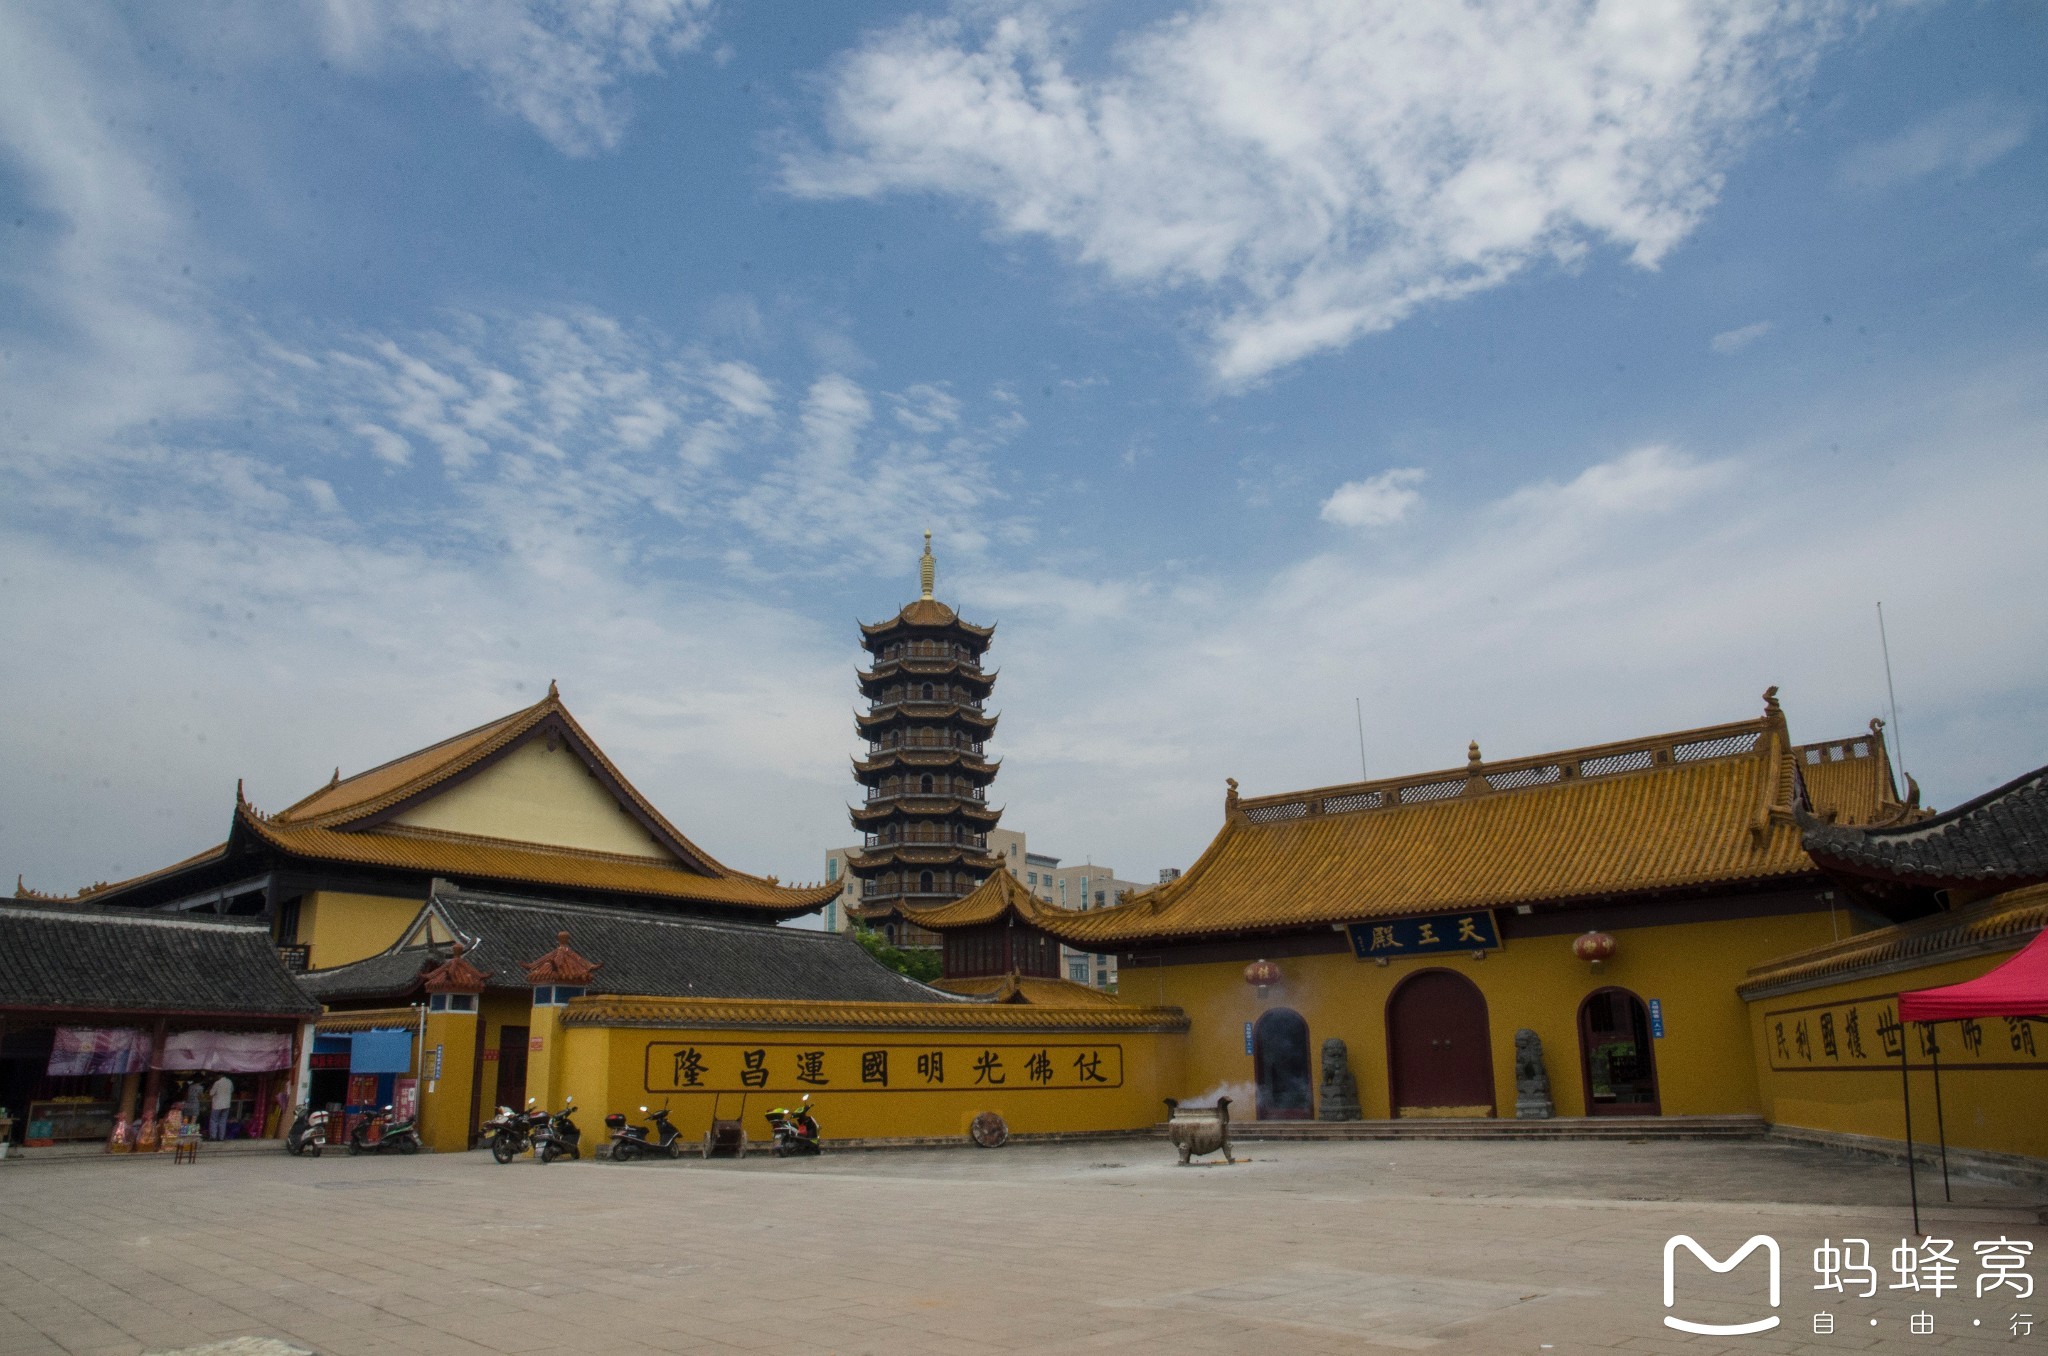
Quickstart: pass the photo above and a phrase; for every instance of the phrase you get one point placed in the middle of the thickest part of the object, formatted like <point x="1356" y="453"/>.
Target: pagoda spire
<point x="927" y="569"/>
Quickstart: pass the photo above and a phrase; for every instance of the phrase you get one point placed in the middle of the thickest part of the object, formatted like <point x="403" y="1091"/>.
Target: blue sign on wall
<point x="1247" y="1037"/>
<point x="1656" y="1019"/>
<point x="1439" y="933"/>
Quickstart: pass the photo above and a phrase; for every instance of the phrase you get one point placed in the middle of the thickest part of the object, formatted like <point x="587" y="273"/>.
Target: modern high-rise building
<point x="925" y="817"/>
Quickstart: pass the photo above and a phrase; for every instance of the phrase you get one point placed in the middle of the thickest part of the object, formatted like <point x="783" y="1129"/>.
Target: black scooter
<point x="403" y="1136"/>
<point x="514" y="1132"/>
<point x="560" y="1137"/>
<point x="308" y="1133"/>
<point x="631" y="1141"/>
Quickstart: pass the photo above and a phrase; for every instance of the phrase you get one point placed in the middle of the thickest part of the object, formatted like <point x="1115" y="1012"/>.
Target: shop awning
<point x="380" y="1052"/>
<point x="2018" y="988"/>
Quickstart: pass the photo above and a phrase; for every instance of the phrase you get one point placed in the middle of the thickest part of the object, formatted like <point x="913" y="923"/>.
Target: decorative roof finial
<point x="1472" y="763"/>
<point x="1229" y="794"/>
<point x="335" y="780"/>
<point x="554" y="693"/>
<point x="1771" y="699"/>
<point x="927" y="569"/>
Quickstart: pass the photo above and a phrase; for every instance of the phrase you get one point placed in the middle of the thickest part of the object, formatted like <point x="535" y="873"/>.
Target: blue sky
<point x="1536" y="373"/>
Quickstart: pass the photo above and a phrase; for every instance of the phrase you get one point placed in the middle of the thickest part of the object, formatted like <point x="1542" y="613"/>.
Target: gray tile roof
<point x="2001" y="837"/>
<point x="656" y="955"/>
<point x="89" y="958"/>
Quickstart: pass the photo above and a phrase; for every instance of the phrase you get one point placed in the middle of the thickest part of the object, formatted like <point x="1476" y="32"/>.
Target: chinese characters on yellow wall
<point x="1866" y="1033"/>
<point x="789" y="1066"/>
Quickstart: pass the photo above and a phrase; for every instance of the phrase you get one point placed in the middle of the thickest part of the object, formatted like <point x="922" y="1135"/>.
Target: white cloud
<point x="554" y="63"/>
<point x="1319" y="169"/>
<point x="1734" y="341"/>
<point x="1652" y="590"/>
<point x="1957" y="141"/>
<point x="1376" y="501"/>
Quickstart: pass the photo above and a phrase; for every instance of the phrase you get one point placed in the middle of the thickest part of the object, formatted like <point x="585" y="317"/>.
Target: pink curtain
<point x="98" y="1050"/>
<point x="228" y="1051"/>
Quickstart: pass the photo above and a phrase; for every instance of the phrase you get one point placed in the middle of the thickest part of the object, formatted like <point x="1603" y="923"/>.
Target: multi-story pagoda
<point x="926" y="815"/>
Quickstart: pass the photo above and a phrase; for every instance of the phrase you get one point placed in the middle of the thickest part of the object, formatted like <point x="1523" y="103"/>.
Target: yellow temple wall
<point x="1704" y="1062"/>
<point x="342" y="927"/>
<point x="1994" y="1097"/>
<point x="624" y="1068"/>
<point x="534" y="795"/>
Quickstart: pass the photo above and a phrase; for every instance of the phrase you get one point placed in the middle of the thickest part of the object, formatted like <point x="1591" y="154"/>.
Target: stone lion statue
<point x="1340" y="1089"/>
<point x="1532" y="1084"/>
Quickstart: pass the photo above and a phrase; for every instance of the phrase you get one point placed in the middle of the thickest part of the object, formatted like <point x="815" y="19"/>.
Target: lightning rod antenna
<point x="1891" y="694"/>
<point x="1358" y="706"/>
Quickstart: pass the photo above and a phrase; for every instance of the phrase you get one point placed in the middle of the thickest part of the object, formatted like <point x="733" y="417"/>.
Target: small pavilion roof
<point x="1682" y="812"/>
<point x="1002" y="894"/>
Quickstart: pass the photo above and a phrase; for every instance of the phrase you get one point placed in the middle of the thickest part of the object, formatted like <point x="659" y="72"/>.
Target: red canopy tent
<point x="2016" y="988"/>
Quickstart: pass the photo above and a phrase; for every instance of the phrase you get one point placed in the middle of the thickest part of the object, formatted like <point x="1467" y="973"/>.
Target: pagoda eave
<point x="973" y="764"/>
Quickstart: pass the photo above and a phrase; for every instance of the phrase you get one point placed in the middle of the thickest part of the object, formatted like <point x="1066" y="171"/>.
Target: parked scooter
<point x="796" y="1132"/>
<point x="560" y="1137"/>
<point x="512" y="1133"/>
<point x="404" y="1136"/>
<point x="632" y="1141"/>
<point x="308" y="1133"/>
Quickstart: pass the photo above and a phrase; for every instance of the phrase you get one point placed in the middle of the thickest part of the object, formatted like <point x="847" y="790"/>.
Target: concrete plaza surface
<point x="1077" y="1247"/>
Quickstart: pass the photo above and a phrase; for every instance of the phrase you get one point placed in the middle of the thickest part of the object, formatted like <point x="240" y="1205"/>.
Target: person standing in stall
<point x="222" y="1094"/>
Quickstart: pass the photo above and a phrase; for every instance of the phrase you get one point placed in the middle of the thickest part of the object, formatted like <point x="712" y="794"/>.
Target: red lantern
<point x="1262" y="973"/>
<point x="1593" y="946"/>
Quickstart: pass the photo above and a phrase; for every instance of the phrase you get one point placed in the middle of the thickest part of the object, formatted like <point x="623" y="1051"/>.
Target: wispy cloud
<point x="1376" y="501"/>
<point x="557" y="64"/>
<point x="1318" y="172"/>
<point x="1957" y="141"/>
<point x="1735" y="340"/>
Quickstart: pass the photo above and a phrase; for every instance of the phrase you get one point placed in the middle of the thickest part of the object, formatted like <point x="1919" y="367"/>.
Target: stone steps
<point x="1477" y="1128"/>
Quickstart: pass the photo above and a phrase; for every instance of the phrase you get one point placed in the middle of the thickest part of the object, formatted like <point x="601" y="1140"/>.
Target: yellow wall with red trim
<point x="1996" y="1110"/>
<point x="1704" y="1061"/>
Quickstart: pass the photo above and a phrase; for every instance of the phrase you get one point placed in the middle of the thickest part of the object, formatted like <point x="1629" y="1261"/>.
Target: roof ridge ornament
<point x="927" y="569"/>
<point x="554" y="693"/>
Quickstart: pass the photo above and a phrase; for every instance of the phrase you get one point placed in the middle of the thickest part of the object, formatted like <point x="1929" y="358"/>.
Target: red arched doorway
<point x="1280" y="1066"/>
<point x="1439" y="1049"/>
<point x="1616" y="1056"/>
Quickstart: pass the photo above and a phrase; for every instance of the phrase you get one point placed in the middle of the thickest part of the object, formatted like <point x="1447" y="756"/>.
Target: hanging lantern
<point x="1593" y="947"/>
<point x="1262" y="973"/>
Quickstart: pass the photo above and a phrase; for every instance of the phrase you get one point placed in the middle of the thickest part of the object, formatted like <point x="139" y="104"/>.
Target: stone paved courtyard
<point x="1105" y="1246"/>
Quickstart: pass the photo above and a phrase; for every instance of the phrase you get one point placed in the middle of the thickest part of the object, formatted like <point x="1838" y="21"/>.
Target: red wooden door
<point x="512" y="1067"/>
<point x="1439" y="1051"/>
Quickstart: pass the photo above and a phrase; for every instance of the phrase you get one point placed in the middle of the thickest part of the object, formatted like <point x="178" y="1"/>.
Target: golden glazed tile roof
<point x="1039" y="990"/>
<point x="966" y="1015"/>
<point x="2004" y="922"/>
<point x="1002" y="893"/>
<point x="463" y="857"/>
<point x="349" y="821"/>
<point x="1699" y="808"/>
<point x="366" y="1019"/>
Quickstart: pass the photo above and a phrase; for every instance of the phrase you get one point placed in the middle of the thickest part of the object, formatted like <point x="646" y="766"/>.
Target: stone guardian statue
<point x="1532" y="1084"/>
<point x="1340" y="1090"/>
